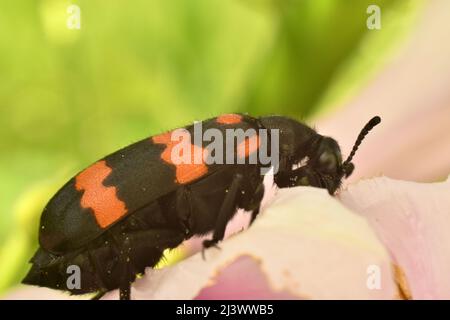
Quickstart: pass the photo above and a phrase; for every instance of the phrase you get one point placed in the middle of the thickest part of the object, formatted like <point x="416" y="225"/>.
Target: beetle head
<point x="323" y="165"/>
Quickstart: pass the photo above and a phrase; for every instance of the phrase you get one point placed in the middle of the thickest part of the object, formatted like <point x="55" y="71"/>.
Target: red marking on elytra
<point x="248" y="146"/>
<point x="186" y="171"/>
<point x="230" y="118"/>
<point x="103" y="201"/>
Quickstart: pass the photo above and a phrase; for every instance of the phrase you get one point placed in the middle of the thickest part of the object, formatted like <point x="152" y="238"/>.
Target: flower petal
<point x="305" y="245"/>
<point x="413" y="221"/>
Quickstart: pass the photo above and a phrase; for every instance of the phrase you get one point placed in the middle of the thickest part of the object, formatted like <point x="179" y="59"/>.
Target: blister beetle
<point x="116" y="217"/>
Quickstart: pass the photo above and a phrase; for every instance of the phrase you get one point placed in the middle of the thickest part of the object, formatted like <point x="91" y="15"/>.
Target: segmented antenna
<point x="372" y="123"/>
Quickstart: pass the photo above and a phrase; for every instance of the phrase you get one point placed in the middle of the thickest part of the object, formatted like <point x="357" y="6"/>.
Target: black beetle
<point x="116" y="217"/>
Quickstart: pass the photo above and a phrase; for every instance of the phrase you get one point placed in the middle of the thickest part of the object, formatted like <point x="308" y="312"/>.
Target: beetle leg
<point x="96" y="266"/>
<point x="125" y="289"/>
<point x="257" y="198"/>
<point x="226" y="212"/>
<point x="137" y="241"/>
<point x="183" y="211"/>
<point x="123" y="248"/>
<point x="99" y="295"/>
<point x="255" y="213"/>
<point x="124" y="258"/>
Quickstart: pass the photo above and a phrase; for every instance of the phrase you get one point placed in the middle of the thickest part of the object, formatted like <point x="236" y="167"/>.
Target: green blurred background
<point x="136" y="68"/>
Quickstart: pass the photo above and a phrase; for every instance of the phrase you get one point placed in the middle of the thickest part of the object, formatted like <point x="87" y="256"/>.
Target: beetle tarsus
<point x="208" y="244"/>
<point x="125" y="291"/>
<point x="99" y="295"/>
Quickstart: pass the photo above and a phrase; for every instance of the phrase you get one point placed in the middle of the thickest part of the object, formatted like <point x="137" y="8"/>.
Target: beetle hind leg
<point x="140" y="249"/>
<point x="125" y="289"/>
<point x="99" y="295"/>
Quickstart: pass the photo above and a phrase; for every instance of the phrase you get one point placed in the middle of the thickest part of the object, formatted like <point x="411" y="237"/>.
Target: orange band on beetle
<point x="103" y="201"/>
<point x="248" y="146"/>
<point x="230" y="118"/>
<point x="190" y="169"/>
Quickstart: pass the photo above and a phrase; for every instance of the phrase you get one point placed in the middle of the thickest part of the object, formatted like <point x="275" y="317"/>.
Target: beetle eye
<point x="328" y="162"/>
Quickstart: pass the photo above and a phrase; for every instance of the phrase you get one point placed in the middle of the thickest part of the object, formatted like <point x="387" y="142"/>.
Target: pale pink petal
<point x="413" y="221"/>
<point x="305" y="245"/>
<point x="242" y="279"/>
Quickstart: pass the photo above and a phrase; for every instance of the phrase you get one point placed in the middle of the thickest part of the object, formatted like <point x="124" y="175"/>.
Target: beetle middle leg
<point x="256" y="201"/>
<point x="226" y="212"/>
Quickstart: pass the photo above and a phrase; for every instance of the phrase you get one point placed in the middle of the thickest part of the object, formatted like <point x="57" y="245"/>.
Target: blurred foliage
<point x="68" y="97"/>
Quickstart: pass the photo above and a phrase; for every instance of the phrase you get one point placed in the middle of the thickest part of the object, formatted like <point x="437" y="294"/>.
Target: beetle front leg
<point x="305" y="176"/>
<point x="299" y="177"/>
<point x="226" y="212"/>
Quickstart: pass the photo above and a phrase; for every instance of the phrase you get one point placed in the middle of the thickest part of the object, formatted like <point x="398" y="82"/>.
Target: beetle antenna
<point x="369" y="126"/>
